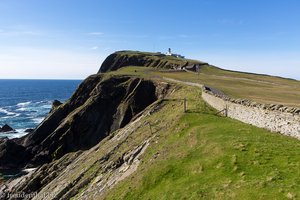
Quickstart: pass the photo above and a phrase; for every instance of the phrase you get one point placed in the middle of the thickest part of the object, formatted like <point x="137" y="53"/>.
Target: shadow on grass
<point x="178" y="100"/>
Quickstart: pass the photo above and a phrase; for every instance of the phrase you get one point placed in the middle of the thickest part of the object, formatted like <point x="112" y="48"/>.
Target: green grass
<point x="192" y="155"/>
<point x="198" y="155"/>
<point x="259" y="88"/>
<point x="132" y="71"/>
<point x="255" y="87"/>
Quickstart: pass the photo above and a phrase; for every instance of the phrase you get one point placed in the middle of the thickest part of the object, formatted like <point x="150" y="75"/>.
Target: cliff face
<point x="99" y="106"/>
<point x="100" y="116"/>
<point x="156" y="60"/>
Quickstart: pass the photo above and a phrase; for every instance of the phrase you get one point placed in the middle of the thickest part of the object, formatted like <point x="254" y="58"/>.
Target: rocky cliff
<point x="99" y="106"/>
<point x="156" y="60"/>
<point x="101" y="115"/>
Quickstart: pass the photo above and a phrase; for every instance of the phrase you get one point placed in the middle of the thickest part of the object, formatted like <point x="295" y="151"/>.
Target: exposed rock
<point x="98" y="107"/>
<point x="29" y="130"/>
<point x="3" y="139"/>
<point x="55" y="105"/>
<point x="6" y="128"/>
<point x="12" y="154"/>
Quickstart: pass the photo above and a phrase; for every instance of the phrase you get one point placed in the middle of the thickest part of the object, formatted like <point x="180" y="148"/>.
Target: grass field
<point x="198" y="155"/>
<point x="259" y="88"/>
<point x="203" y="156"/>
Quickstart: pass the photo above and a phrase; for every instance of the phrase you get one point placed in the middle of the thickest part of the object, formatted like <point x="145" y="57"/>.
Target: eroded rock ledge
<point x="98" y="107"/>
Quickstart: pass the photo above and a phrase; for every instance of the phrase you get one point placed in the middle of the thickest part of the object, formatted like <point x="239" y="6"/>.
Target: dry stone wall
<point x="276" y="118"/>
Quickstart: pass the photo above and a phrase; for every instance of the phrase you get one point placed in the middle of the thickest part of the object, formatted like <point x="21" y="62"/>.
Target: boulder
<point x="12" y="155"/>
<point x="55" y="105"/>
<point x="29" y="130"/>
<point x="3" y="139"/>
<point x="6" y="128"/>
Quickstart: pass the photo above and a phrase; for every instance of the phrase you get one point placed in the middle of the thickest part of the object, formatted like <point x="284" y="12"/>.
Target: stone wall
<point x="276" y="118"/>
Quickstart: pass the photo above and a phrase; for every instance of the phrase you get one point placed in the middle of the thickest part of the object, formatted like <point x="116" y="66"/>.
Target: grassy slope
<point x="200" y="155"/>
<point x="259" y="88"/>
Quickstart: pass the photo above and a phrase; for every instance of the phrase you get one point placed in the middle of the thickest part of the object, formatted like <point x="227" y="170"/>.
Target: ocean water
<point x="25" y="103"/>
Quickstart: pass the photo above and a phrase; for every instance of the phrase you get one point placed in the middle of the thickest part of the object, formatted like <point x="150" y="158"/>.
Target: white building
<point x="169" y="53"/>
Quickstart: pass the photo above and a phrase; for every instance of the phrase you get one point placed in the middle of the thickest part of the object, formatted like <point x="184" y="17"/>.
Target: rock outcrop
<point x="29" y="130"/>
<point x="6" y="128"/>
<point x="156" y="60"/>
<point x="12" y="154"/>
<point x="98" y="107"/>
<point x="55" y="105"/>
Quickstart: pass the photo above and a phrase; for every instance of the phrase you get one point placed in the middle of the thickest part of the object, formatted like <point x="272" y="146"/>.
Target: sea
<point x="25" y="103"/>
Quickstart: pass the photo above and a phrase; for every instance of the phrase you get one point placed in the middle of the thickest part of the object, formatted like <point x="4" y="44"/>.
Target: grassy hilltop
<point x="158" y="60"/>
<point x="260" y="88"/>
<point x="255" y="87"/>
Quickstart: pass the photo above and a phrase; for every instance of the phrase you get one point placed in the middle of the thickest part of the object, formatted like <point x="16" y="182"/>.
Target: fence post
<point x="226" y="111"/>
<point x="184" y="104"/>
<point x="150" y="127"/>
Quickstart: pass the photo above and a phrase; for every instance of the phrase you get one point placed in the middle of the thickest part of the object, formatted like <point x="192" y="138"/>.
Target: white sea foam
<point x="2" y="110"/>
<point x="48" y="102"/>
<point x="11" y="116"/>
<point x="38" y="120"/>
<point x="20" y="133"/>
<point x="23" y="104"/>
<point x="46" y="106"/>
<point x="21" y="109"/>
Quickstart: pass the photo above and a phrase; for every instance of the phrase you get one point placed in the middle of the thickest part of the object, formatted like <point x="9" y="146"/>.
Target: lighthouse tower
<point x="169" y="53"/>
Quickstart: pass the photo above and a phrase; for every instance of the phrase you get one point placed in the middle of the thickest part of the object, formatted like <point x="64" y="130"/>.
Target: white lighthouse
<point x="169" y="53"/>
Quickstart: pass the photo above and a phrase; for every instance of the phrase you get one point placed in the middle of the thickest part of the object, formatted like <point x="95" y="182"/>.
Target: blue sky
<point x="64" y="39"/>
